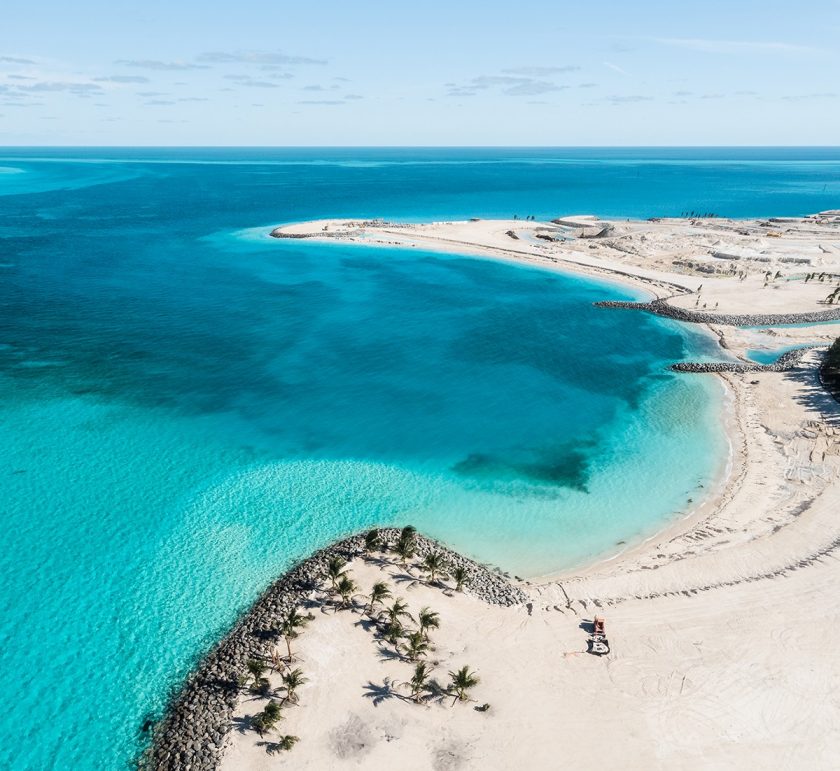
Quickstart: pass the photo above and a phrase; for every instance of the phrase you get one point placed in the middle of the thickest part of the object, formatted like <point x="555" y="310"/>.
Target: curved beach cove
<point x="189" y="409"/>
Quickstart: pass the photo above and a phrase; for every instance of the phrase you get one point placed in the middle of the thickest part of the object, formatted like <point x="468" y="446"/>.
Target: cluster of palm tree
<point x="265" y="721"/>
<point x="293" y="678"/>
<point x="341" y="583"/>
<point x="460" y="682"/>
<point x="434" y="564"/>
<point x="414" y="644"/>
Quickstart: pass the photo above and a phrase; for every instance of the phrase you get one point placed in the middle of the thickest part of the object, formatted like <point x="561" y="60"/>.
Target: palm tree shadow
<point x="379" y="693"/>
<point x="389" y="654"/>
<point x="380" y="562"/>
<point x="243" y="724"/>
<point x="435" y="691"/>
<point x="272" y="748"/>
<point x="367" y="624"/>
<point x="406" y="578"/>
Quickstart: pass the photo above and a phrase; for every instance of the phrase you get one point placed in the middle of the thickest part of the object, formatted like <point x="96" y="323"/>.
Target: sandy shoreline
<point x="723" y="626"/>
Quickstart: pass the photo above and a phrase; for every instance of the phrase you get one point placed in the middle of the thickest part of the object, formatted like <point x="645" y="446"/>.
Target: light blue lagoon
<point x="188" y="409"/>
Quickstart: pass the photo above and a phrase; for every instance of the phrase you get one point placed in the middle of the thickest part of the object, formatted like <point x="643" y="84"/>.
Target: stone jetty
<point x="193" y="732"/>
<point x="661" y="307"/>
<point x="786" y="361"/>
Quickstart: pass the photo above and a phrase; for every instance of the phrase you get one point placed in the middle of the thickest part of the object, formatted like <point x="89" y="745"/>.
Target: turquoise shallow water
<point x="769" y="355"/>
<point x="188" y="407"/>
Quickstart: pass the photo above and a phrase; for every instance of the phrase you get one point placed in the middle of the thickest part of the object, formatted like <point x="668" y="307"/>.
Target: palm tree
<point x="257" y="669"/>
<point x="461" y="682"/>
<point x="409" y="533"/>
<point x="415" y="646"/>
<point x="335" y="569"/>
<point x="268" y="718"/>
<point x="398" y="610"/>
<point x="277" y="662"/>
<point x="427" y="619"/>
<point x="293" y="680"/>
<point x="292" y="622"/>
<point x="347" y="587"/>
<point x="272" y="712"/>
<point x="378" y="592"/>
<point x="434" y="564"/>
<point x="459" y="573"/>
<point x="419" y="680"/>
<point x="373" y="540"/>
<point x="286" y="743"/>
<point x="405" y="548"/>
<point x="393" y="631"/>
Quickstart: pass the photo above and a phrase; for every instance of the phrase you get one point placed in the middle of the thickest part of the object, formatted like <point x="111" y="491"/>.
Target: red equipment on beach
<point x="599" y="645"/>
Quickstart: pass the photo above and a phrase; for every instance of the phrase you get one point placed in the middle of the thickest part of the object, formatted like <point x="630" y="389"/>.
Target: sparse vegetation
<point x="461" y="577"/>
<point x="335" y="569"/>
<point x="346" y="588"/>
<point x="379" y="592"/>
<point x="266" y="720"/>
<point x="434" y="564"/>
<point x="415" y="646"/>
<point x="427" y="619"/>
<point x="461" y="681"/>
<point x="286" y="743"/>
<point x="290" y="628"/>
<point x="293" y="679"/>
<point x="419" y="680"/>
<point x="256" y="669"/>
<point x="406" y="545"/>
<point x="373" y="540"/>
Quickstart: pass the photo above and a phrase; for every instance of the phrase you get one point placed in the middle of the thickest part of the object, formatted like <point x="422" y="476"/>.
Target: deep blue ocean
<point x="187" y="405"/>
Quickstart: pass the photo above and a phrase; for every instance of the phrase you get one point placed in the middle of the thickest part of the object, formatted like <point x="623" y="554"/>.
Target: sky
<point x="533" y="72"/>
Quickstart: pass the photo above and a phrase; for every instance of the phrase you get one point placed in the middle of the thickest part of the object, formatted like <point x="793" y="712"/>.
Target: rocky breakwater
<point x="661" y="307"/>
<point x="192" y="734"/>
<point x="786" y="361"/>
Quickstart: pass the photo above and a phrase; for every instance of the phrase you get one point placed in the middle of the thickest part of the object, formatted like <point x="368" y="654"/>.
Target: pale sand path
<point x="724" y="629"/>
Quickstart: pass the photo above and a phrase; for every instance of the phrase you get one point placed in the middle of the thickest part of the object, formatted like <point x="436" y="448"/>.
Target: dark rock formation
<point x="786" y="361"/>
<point x="662" y="308"/>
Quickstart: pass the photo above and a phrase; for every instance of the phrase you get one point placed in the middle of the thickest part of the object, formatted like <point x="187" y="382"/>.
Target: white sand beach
<point x="724" y="628"/>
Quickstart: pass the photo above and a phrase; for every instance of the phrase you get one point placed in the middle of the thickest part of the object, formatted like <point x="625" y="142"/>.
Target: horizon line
<point x="425" y="147"/>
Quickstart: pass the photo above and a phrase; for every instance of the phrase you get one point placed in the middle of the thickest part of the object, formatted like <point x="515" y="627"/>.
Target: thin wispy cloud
<point x="616" y="68"/>
<point x="712" y="46"/>
<point x="256" y="57"/>
<point x="629" y="99"/>
<point x="58" y="86"/>
<point x="249" y="82"/>
<point x="161" y="66"/>
<point x="16" y="60"/>
<point x="541" y="72"/>
<point x="122" y="79"/>
<point x="807" y="97"/>
<point x="505" y="84"/>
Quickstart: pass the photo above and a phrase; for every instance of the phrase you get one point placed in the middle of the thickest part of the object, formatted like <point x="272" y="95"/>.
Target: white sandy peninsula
<point x="724" y="629"/>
